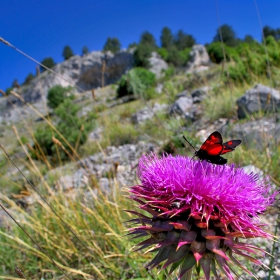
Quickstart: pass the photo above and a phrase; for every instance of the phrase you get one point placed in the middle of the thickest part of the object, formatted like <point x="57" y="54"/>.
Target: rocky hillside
<point x="194" y="100"/>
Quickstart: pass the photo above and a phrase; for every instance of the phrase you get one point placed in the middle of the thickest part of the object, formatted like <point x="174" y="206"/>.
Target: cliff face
<point x="87" y="72"/>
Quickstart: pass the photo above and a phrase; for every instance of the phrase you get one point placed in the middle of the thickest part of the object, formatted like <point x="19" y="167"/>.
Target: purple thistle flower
<point x="198" y="212"/>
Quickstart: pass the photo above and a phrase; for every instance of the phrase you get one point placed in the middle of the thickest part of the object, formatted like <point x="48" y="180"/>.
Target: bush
<point x="74" y="129"/>
<point x="215" y="52"/>
<point x="8" y="90"/>
<point x="136" y="82"/>
<point x="163" y="53"/>
<point x="57" y="95"/>
<point x="176" y="57"/>
<point x="251" y="60"/>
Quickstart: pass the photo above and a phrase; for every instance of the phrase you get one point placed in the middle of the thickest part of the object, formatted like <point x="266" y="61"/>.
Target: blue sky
<point x="42" y="28"/>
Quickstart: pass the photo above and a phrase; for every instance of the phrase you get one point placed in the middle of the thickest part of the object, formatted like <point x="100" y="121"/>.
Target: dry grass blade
<point x="36" y="243"/>
<point x="45" y="201"/>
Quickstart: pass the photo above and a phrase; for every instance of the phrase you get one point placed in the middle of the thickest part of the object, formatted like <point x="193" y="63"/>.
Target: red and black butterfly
<point x="212" y="149"/>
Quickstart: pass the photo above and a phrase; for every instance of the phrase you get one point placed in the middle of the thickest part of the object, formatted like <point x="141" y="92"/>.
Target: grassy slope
<point x="103" y="251"/>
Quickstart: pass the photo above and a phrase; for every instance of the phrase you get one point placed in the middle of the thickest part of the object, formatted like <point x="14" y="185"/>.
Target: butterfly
<point x="212" y="149"/>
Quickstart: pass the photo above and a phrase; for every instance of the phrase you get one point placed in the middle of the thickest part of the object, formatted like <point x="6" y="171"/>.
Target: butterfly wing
<point x="230" y="146"/>
<point x="213" y="145"/>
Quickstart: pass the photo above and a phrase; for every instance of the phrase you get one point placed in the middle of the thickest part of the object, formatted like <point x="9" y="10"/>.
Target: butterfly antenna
<point x="189" y="143"/>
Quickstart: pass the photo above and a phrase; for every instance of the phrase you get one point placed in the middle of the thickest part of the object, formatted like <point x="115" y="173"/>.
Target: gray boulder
<point x="199" y="94"/>
<point x="258" y="134"/>
<point x="147" y="113"/>
<point x="258" y="98"/>
<point x="199" y="59"/>
<point x="157" y="64"/>
<point x="181" y="106"/>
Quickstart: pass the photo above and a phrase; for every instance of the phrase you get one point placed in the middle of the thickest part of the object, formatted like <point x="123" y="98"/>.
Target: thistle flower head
<point x="198" y="212"/>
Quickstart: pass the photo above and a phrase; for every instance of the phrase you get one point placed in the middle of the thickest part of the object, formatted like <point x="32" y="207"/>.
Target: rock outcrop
<point x="258" y="98"/>
<point x="199" y="59"/>
<point x="158" y="65"/>
<point x="259" y="134"/>
<point x="93" y="70"/>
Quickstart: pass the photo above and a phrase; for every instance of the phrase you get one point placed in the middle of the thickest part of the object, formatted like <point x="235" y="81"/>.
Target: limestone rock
<point x="181" y="106"/>
<point x="84" y="72"/>
<point x="259" y="133"/>
<point x="199" y="59"/>
<point x="258" y="98"/>
<point x="157" y="64"/>
<point x="147" y="113"/>
<point x="199" y="94"/>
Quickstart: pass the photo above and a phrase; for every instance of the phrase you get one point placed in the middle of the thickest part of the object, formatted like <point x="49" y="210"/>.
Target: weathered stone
<point x="199" y="94"/>
<point x="258" y="134"/>
<point x="258" y="98"/>
<point x="199" y="59"/>
<point x="183" y="93"/>
<point x="77" y="180"/>
<point x="147" y="113"/>
<point x="181" y="106"/>
<point x="157" y="64"/>
<point x="84" y="72"/>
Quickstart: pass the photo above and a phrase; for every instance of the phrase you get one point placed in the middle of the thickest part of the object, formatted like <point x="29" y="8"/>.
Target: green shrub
<point x="169" y="72"/>
<point x="57" y="95"/>
<point x="177" y="57"/>
<point x="8" y="90"/>
<point x="163" y="53"/>
<point x="150" y="93"/>
<point x="250" y="61"/>
<point x="215" y="52"/>
<point x="136" y="82"/>
<point x="73" y="128"/>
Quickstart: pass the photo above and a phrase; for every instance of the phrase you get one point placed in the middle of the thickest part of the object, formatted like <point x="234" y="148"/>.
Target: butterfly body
<point x="212" y="149"/>
<point x="203" y="155"/>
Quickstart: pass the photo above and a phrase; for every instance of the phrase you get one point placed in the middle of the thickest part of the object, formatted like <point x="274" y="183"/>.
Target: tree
<point x="67" y="52"/>
<point x="166" y="38"/>
<point x="176" y="57"/>
<point x="112" y="44"/>
<point x="132" y="46"/>
<point x="28" y="79"/>
<point x="48" y="62"/>
<point x="141" y="55"/>
<point x="15" y="83"/>
<point x="73" y="128"/>
<point x="183" y="40"/>
<point x="228" y="35"/>
<point x="148" y="39"/>
<point x="248" y="39"/>
<point x="85" y="50"/>
<point x="268" y="31"/>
